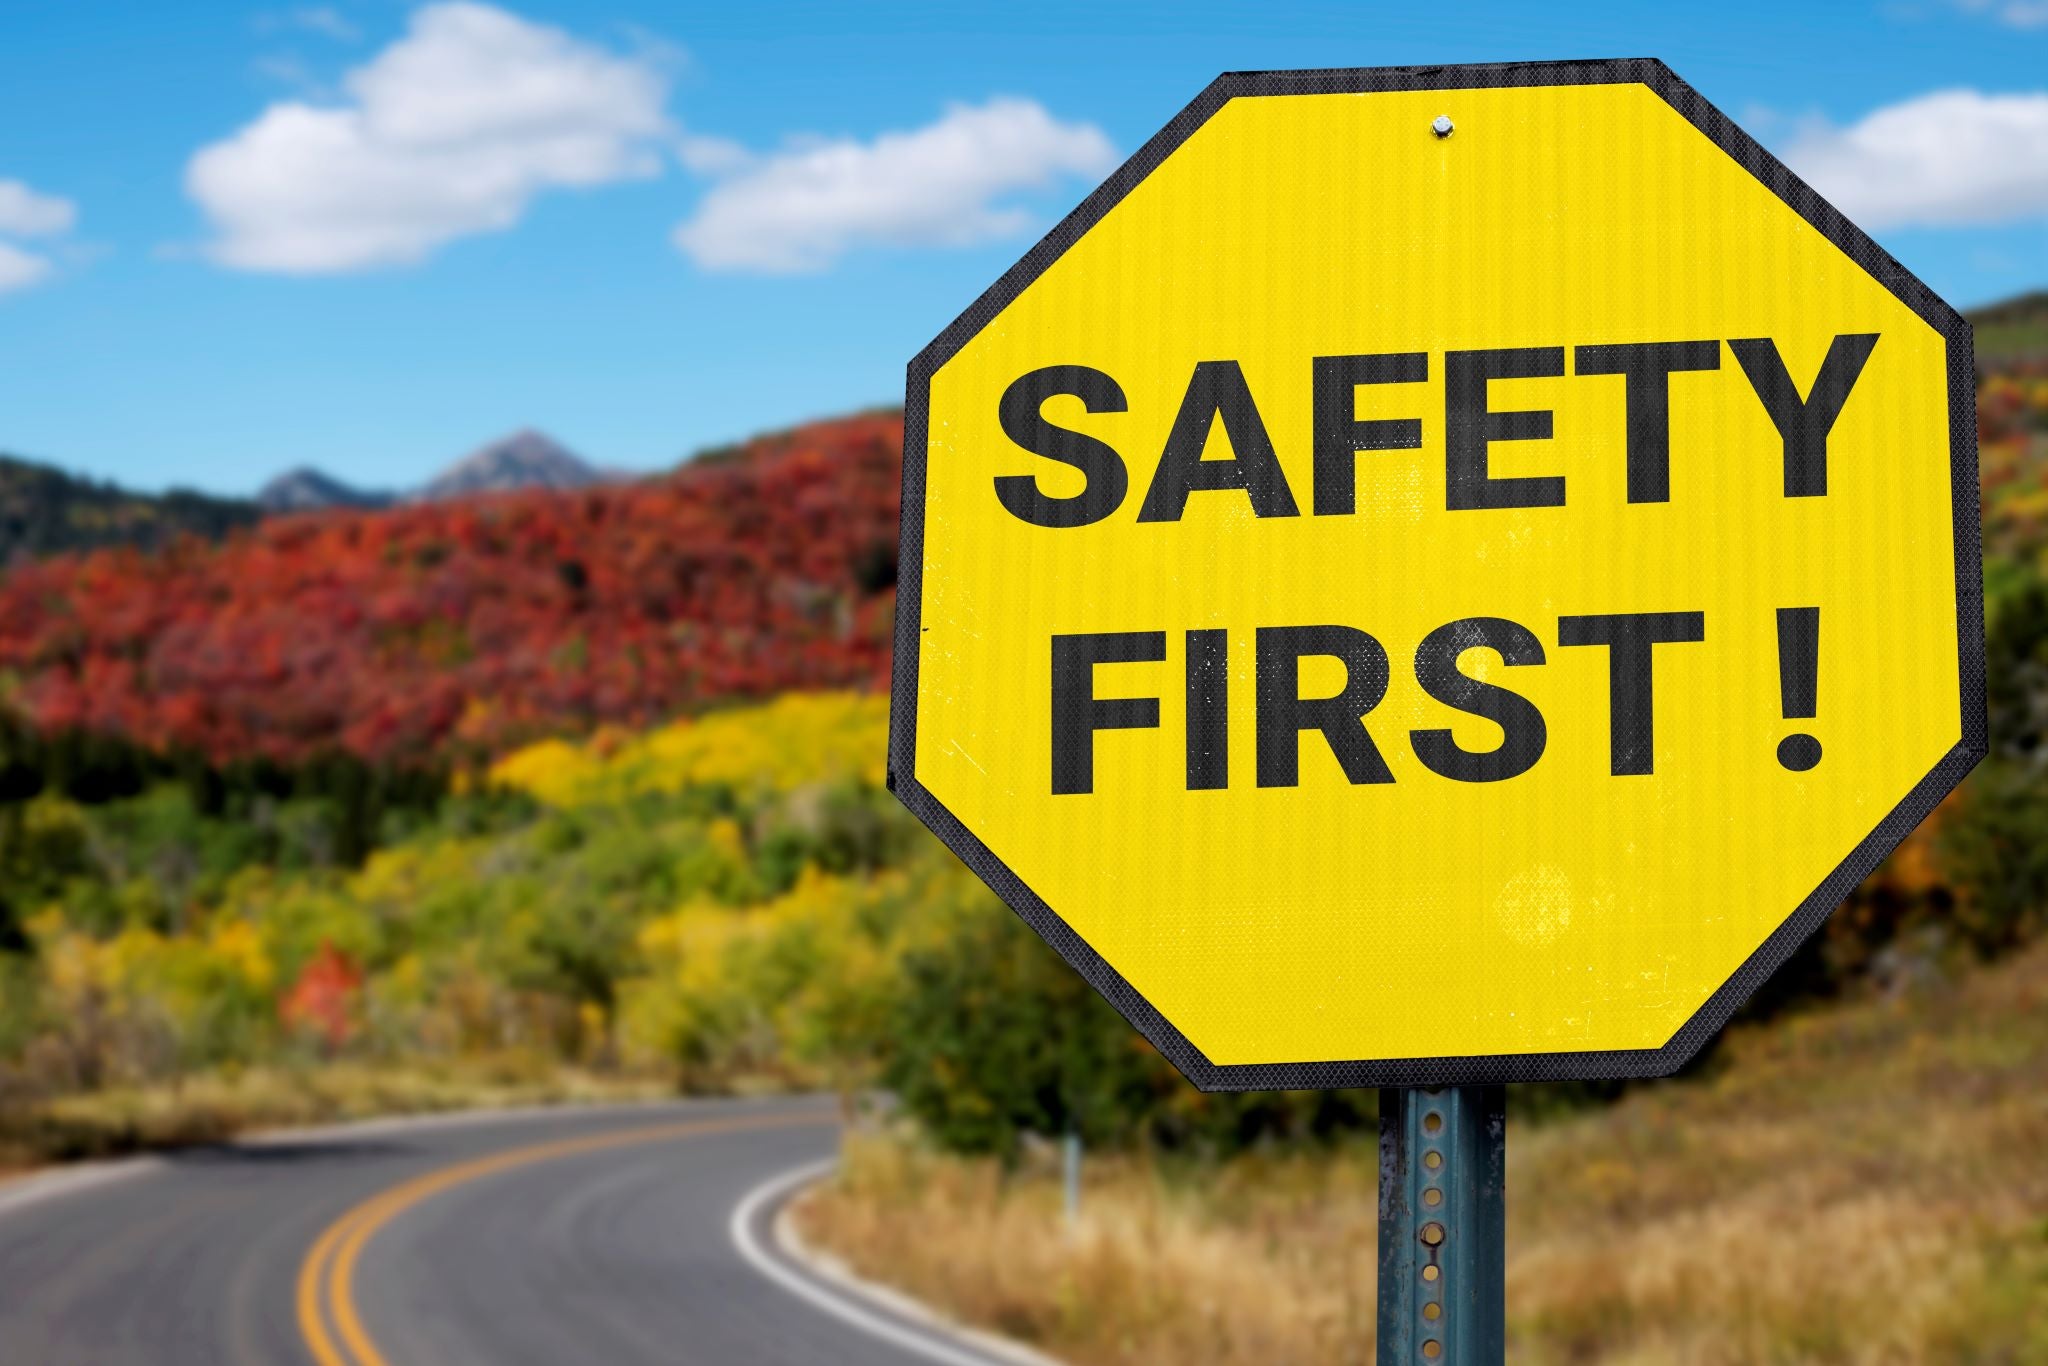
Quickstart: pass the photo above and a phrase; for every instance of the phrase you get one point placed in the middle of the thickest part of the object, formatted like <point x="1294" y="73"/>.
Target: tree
<point x="1998" y="848"/>
<point x="994" y="1037"/>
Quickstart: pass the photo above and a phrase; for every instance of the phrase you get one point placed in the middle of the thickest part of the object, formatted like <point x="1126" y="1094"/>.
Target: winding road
<point x="539" y="1238"/>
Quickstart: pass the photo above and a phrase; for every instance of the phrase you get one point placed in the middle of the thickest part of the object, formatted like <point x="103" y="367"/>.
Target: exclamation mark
<point x="1798" y="674"/>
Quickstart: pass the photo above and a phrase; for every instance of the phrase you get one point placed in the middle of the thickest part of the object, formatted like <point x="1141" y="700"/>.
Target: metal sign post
<point x="1443" y="1226"/>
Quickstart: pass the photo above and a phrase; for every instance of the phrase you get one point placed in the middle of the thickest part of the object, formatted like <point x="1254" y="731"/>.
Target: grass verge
<point x="1863" y="1184"/>
<point x="211" y="1107"/>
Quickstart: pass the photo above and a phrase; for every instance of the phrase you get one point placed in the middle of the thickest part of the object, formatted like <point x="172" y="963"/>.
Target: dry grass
<point x="214" y="1106"/>
<point x="1866" y="1184"/>
<point x="1271" y="1266"/>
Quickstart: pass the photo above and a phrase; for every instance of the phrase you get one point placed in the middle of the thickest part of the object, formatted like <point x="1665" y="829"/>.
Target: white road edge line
<point x="840" y="1300"/>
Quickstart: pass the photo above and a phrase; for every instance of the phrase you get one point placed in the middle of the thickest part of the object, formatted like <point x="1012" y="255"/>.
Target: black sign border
<point x="1474" y="1069"/>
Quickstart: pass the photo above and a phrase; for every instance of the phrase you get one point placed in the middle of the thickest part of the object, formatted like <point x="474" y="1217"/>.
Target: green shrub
<point x="1997" y="851"/>
<point x="993" y="1036"/>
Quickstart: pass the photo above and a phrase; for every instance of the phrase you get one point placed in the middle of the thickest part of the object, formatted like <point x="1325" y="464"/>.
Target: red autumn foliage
<point x="451" y="631"/>
<point x="322" y="999"/>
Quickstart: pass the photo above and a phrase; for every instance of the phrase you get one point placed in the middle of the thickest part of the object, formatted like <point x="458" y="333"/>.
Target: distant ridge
<point x="306" y="489"/>
<point x="44" y="511"/>
<point x="2019" y="308"/>
<point x="526" y="459"/>
<point x="445" y="633"/>
<point x="2013" y="330"/>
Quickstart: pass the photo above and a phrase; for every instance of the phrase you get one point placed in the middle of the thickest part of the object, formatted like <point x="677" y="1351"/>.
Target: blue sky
<point x="369" y="236"/>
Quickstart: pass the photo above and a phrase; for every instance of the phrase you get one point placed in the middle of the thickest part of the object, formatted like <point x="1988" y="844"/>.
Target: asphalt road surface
<point x="535" y="1239"/>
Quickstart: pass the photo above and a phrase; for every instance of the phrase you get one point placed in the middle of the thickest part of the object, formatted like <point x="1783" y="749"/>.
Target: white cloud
<point x="1952" y="158"/>
<point x="2011" y="13"/>
<point x="800" y="209"/>
<point x="452" y="130"/>
<point x="327" y="21"/>
<point x="19" y="269"/>
<point x="712" y="156"/>
<point x="324" y="20"/>
<point x="25" y="213"/>
<point x="287" y="69"/>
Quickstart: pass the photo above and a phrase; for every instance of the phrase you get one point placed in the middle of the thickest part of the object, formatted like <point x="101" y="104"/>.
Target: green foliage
<point x="842" y="828"/>
<point x="1998" y="850"/>
<point x="2016" y="672"/>
<point x="584" y="910"/>
<point x="992" y="1036"/>
<point x="44" y="510"/>
<point x="20" y="1016"/>
<point x="44" y="846"/>
<point x="2016" y="329"/>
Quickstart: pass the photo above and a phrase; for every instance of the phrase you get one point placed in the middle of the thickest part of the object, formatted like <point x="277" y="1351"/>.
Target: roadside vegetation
<point x="1861" y="1183"/>
<point x="686" y="907"/>
<point x="220" y="1103"/>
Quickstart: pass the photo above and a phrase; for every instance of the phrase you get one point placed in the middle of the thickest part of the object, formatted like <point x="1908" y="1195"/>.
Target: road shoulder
<point x="766" y="1236"/>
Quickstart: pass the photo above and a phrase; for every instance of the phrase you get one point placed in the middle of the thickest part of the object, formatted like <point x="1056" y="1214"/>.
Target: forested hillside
<point x="437" y="633"/>
<point x="2014" y="330"/>
<point x="45" y="511"/>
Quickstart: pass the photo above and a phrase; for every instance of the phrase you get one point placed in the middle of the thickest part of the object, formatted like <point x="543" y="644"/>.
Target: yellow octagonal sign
<point x="1439" y="575"/>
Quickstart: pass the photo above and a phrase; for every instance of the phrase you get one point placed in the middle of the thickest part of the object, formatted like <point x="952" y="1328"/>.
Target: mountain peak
<point x="527" y="458"/>
<point x="303" y="489"/>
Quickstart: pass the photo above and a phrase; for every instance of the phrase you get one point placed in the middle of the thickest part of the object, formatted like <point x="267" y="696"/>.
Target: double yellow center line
<point x="327" y="1313"/>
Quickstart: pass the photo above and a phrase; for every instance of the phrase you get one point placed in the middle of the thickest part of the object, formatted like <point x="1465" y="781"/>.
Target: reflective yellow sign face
<point x="1394" y="604"/>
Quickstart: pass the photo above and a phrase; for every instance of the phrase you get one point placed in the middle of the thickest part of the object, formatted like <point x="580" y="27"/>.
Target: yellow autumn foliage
<point x="738" y="982"/>
<point x="786" y="985"/>
<point x="728" y="897"/>
<point x="797" y="740"/>
<point x="138" y="964"/>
